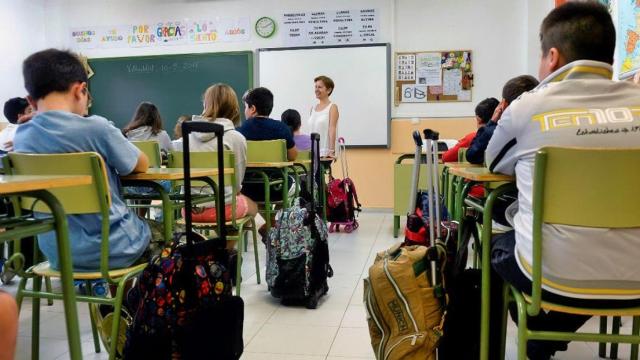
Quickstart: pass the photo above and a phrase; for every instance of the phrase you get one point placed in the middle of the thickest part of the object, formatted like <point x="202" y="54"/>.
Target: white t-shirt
<point x="318" y="122"/>
<point x="7" y="135"/>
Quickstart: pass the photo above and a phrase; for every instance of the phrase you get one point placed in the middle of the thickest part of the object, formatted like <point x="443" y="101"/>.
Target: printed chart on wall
<point x="435" y="76"/>
<point x="628" y="36"/>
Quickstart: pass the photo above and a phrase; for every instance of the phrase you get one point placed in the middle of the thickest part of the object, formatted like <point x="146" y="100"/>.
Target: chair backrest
<point x="267" y="151"/>
<point x="83" y="199"/>
<point x="462" y="154"/>
<point x="304" y="155"/>
<point x="587" y="187"/>
<point x="205" y="159"/>
<point x="151" y="148"/>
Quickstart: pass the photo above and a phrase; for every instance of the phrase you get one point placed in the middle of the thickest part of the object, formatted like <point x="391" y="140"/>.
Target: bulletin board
<point x="433" y="76"/>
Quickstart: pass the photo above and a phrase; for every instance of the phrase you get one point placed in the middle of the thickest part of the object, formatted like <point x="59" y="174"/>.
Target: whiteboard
<point x="362" y="89"/>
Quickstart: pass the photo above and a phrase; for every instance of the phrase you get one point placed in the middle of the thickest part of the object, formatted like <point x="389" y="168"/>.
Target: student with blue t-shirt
<point x="57" y="84"/>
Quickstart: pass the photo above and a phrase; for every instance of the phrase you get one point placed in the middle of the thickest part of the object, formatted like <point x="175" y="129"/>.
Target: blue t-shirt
<point x="266" y="129"/>
<point x="64" y="132"/>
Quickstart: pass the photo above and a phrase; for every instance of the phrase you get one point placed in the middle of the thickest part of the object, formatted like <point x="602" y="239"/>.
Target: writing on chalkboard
<point x="176" y="67"/>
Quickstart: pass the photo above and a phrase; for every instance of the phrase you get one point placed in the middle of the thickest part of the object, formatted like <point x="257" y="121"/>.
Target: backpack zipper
<point x="399" y="293"/>
<point x="413" y="338"/>
<point x="372" y="314"/>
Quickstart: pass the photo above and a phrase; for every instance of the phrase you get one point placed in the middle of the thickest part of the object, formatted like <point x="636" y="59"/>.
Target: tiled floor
<point x="337" y="330"/>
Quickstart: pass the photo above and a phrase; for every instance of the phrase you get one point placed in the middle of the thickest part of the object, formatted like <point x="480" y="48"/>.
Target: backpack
<point x="298" y="255"/>
<point x="404" y="314"/>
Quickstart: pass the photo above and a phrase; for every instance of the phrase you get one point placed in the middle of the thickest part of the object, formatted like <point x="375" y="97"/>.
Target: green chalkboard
<point x="174" y="83"/>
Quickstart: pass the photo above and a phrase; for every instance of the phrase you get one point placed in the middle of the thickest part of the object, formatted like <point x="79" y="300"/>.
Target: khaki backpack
<point x="405" y="317"/>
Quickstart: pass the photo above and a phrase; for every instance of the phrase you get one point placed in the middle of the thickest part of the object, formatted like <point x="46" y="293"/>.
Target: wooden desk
<point x="274" y="165"/>
<point x="173" y="174"/>
<point x="10" y="184"/>
<point x="36" y="186"/>
<point x="458" y="165"/>
<point x="480" y="174"/>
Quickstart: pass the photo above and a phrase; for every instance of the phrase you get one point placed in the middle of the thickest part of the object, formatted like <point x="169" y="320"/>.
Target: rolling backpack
<point x="342" y="198"/>
<point x="182" y="304"/>
<point x="297" y="247"/>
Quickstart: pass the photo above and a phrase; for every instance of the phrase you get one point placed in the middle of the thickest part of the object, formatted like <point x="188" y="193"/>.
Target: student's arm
<point x="333" y="128"/>
<point x="501" y="150"/>
<point x="292" y="153"/>
<point x="142" y="165"/>
<point x="451" y="155"/>
<point x="8" y="326"/>
<point x="475" y="152"/>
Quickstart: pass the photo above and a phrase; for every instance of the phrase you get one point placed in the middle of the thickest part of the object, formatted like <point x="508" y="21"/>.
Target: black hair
<point x="518" y="85"/>
<point x="14" y="107"/>
<point x="261" y="98"/>
<point x="51" y="70"/>
<point x="291" y="117"/>
<point x="580" y="31"/>
<point x="485" y="109"/>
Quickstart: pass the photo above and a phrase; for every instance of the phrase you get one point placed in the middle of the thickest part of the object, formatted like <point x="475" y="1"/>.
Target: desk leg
<point x="396" y="225"/>
<point x="486" y="268"/>
<point x="66" y="271"/>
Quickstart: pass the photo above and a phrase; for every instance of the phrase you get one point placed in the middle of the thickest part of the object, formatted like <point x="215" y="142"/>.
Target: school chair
<point x="584" y="187"/>
<point x="151" y="148"/>
<point x="239" y="225"/>
<point x="88" y="199"/>
<point x="268" y="153"/>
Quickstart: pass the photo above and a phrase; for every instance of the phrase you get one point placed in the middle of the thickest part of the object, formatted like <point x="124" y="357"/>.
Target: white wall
<point x="21" y="33"/>
<point x="493" y="29"/>
<point x="536" y="12"/>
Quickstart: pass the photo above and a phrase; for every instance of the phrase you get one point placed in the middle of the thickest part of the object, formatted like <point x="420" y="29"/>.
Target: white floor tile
<point x="352" y="342"/>
<point x="355" y="316"/>
<point x="293" y="339"/>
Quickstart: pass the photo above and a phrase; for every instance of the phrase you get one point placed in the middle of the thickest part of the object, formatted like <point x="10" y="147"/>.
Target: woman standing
<point x="324" y="116"/>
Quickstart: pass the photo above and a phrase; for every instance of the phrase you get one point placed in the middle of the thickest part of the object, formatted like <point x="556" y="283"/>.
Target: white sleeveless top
<point x="319" y="123"/>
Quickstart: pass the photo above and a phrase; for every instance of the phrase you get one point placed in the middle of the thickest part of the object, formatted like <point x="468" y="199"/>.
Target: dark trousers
<point x="503" y="262"/>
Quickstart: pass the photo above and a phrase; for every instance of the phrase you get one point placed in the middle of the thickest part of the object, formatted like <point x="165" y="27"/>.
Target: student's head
<point x="323" y="86"/>
<point x="258" y="102"/>
<point x="220" y="101"/>
<point x="16" y="107"/>
<point x="576" y="31"/>
<point x="177" y="130"/>
<point x="516" y="86"/>
<point x="291" y="117"/>
<point x="57" y="73"/>
<point x="146" y="114"/>
<point x="485" y="109"/>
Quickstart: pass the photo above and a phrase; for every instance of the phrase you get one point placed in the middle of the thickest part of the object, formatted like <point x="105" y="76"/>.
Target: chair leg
<point x="602" y="347"/>
<point x="396" y="225"/>
<point x="615" y="330"/>
<point x="115" y="330"/>
<point x="20" y="293"/>
<point x="92" y="314"/>
<point x="522" y="331"/>
<point x="246" y="243"/>
<point x="35" y="320"/>
<point x="239" y="247"/>
<point x="47" y="286"/>
<point x="254" y="233"/>
<point x="635" y="330"/>
<point x="505" y="315"/>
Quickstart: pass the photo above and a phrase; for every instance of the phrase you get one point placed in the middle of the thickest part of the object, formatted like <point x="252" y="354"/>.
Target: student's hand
<point x="26" y="117"/>
<point x="8" y="146"/>
<point x="497" y="113"/>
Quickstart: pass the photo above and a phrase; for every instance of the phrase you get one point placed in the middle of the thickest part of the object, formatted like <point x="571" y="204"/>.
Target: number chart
<point x="433" y="76"/>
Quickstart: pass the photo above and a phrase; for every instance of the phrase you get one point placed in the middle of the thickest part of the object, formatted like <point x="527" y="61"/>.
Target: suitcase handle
<point x="417" y="138"/>
<point x="205" y="127"/>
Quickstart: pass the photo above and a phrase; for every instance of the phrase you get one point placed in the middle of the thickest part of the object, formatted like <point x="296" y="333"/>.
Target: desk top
<point x="21" y="183"/>
<point x="278" y="165"/>
<point x="173" y="174"/>
<point x="480" y="174"/>
<point x="457" y="165"/>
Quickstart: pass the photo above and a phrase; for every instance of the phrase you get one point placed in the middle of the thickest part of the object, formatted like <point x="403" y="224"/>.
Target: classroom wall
<point x="486" y="27"/>
<point x="21" y="33"/>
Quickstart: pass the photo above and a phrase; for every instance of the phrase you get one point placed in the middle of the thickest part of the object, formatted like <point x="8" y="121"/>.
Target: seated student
<point x="14" y="109"/>
<point x="578" y="41"/>
<point x="8" y="326"/>
<point x="484" y="111"/>
<point x="292" y="118"/>
<point x="258" y="104"/>
<point x="511" y="91"/>
<point x="221" y="107"/>
<point x="57" y="83"/>
<point x="147" y="125"/>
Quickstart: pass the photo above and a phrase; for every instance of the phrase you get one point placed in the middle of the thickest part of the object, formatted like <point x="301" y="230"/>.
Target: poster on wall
<point x="141" y="35"/>
<point x="234" y="29"/>
<point x="171" y="33"/>
<point x="113" y="36"/>
<point x="336" y="27"/>
<point x="84" y="38"/>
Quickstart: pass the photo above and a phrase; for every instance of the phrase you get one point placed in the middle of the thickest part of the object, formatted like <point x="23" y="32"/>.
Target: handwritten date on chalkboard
<point x="176" y="67"/>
